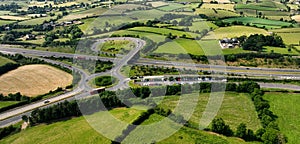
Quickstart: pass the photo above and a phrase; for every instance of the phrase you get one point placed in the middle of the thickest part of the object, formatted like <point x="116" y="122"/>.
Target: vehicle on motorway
<point x="46" y="101"/>
<point x="98" y="90"/>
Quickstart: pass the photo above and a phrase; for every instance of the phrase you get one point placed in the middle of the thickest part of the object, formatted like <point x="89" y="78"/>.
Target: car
<point x="46" y="101"/>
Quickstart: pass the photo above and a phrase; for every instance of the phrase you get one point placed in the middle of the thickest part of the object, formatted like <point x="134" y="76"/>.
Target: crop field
<point x="33" y="80"/>
<point x="76" y="130"/>
<point x="229" y="7"/>
<point x="259" y="22"/>
<point x="219" y="14"/>
<point x="280" y="50"/>
<point x="171" y="7"/>
<point x="286" y="107"/>
<point x="234" y="31"/>
<point x="7" y="103"/>
<point x="286" y="30"/>
<point x="266" y="5"/>
<point x="236" y="108"/>
<point x="183" y="46"/>
<point x="4" y="61"/>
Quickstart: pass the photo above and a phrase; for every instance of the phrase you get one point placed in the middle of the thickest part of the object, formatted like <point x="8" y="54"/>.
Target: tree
<point x="272" y="136"/>
<point x="241" y="131"/>
<point x="219" y="126"/>
<point x="25" y="118"/>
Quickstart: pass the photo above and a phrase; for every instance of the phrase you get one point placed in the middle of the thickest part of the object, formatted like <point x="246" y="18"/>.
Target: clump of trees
<point x="105" y="80"/>
<point x="257" y="41"/>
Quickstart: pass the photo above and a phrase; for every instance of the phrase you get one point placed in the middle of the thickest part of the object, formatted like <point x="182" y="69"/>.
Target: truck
<point x="98" y="90"/>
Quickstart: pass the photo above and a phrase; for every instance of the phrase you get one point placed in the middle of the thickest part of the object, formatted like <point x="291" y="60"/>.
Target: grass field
<point x="286" y="30"/>
<point x="36" y="21"/>
<point x="154" y="37"/>
<point x="259" y="22"/>
<point x="33" y="80"/>
<point x="290" y="38"/>
<point x="229" y="7"/>
<point x="146" y="14"/>
<point x="83" y="14"/>
<point x="219" y="14"/>
<point x="280" y="50"/>
<point x="171" y="7"/>
<point x="236" y="108"/>
<point x="234" y="31"/>
<point x="116" y="46"/>
<point x="183" y="46"/>
<point x="286" y="107"/>
<point x="163" y="31"/>
<point x="76" y="130"/>
<point x="7" y="103"/>
<point x="4" y="61"/>
<point x="5" y="22"/>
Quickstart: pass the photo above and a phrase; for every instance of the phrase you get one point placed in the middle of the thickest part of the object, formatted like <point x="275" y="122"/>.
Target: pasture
<point x="280" y="50"/>
<point x="171" y="7"/>
<point x="116" y="46"/>
<point x="181" y="46"/>
<point x="76" y="130"/>
<point x="84" y="14"/>
<point x="236" y="108"/>
<point x="4" y="61"/>
<point x="163" y="31"/>
<point x="5" y="22"/>
<point x="36" y="21"/>
<point x="229" y="7"/>
<point x="290" y="38"/>
<point x="258" y="22"/>
<point x="33" y="80"/>
<point x="216" y="13"/>
<point x="234" y="31"/>
<point x="286" y="107"/>
<point x="7" y="103"/>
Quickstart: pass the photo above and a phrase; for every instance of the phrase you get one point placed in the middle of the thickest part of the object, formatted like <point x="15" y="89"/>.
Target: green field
<point x="76" y="130"/>
<point x="171" y="7"/>
<point x="36" y="21"/>
<point x="7" y="103"/>
<point x="180" y="45"/>
<point x="83" y="14"/>
<point x="219" y="14"/>
<point x="280" y="50"/>
<point x="234" y="31"/>
<point x="5" y="22"/>
<point x="163" y="31"/>
<point x="236" y="108"/>
<point x="4" y="61"/>
<point x="259" y="22"/>
<point x="117" y="46"/>
<point x="266" y="5"/>
<point x="290" y="38"/>
<point x="199" y="25"/>
<point x="286" y="107"/>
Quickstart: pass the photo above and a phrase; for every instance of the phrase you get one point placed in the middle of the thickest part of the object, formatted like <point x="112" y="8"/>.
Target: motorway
<point x="83" y="88"/>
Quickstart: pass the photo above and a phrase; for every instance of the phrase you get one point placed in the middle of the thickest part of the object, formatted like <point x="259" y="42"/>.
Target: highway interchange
<point x="83" y="88"/>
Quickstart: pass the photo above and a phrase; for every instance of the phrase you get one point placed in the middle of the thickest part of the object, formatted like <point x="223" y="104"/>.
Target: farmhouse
<point x="229" y="43"/>
<point x="29" y="37"/>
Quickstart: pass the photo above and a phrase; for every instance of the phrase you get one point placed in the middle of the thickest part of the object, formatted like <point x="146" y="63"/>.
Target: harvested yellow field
<point x="33" y="80"/>
<point x="158" y="4"/>
<point x="234" y="31"/>
<point x="7" y="17"/>
<point x="296" y="18"/>
<point x="229" y="7"/>
<point x="219" y="1"/>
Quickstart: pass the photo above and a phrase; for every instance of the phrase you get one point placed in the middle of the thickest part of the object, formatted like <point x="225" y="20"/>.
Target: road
<point x="83" y="87"/>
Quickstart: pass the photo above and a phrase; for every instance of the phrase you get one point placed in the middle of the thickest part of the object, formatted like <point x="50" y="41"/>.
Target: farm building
<point x="229" y="43"/>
